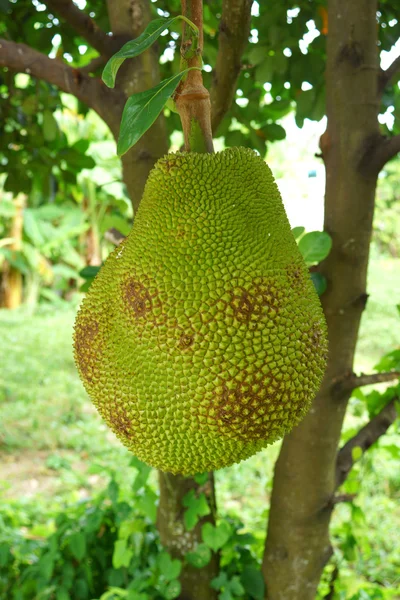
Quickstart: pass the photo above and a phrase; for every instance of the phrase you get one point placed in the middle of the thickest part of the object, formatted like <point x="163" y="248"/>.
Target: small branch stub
<point x="192" y="99"/>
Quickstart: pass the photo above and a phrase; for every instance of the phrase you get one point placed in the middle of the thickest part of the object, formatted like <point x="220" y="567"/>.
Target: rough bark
<point x="298" y="546"/>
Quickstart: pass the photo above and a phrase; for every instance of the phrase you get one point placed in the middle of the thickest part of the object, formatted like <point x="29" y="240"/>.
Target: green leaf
<point x="89" y="272"/>
<point x="225" y="595"/>
<point x="85" y="286"/>
<point x="315" y="246"/>
<point x="141" y="110"/>
<point x="196" y="507"/>
<point x="253" y="582"/>
<point x="319" y="282"/>
<point x="32" y="229"/>
<point x="77" y="544"/>
<point x="356" y="453"/>
<point x="139" y="45"/>
<point x="201" y="478"/>
<point x="122" y="555"/>
<point x="258" y="54"/>
<point x="389" y="362"/>
<point x="50" y="127"/>
<point x="172" y="590"/>
<point x="16" y="259"/>
<point x="235" y="586"/>
<point x="5" y="554"/>
<point x="62" y="594"/>
<point x="298" y="232"/>
<point x="200" y="557"/>
<point x="216" y="537"/>
<point x="274" y="132"/>
<point x="169" y="568"/>
<point x="220" y="581"/>
<point x="147" y="504"/>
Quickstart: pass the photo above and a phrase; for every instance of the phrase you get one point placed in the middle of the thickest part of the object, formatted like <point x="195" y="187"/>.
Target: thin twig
<point x="83" y="25"/>
<point x="385" y="76"/>
<point x="364" y="439"/>
<point x="352" y="381"/>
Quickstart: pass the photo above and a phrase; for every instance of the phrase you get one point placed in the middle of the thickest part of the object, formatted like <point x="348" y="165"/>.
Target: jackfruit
<point x="202" y="339"/>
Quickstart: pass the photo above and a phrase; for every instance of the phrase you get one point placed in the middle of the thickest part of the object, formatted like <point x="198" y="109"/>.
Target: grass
<point x="50" y="434"/>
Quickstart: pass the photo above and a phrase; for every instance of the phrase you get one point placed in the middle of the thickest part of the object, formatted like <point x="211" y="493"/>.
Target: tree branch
<point x="83" y="25"/>
<point x="94" y="65"/>
<point x="233" y="36"/>
<point x="377" y="151"/>
<point x="385" y="76"/>
<point x="351" y="382"/>
<point x="368" y="435"/>
<point x="23" y="59"/>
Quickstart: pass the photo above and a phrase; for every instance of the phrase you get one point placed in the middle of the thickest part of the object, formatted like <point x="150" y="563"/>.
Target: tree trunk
<point x="174" y="537"/>
<point x="298" y="546"/>
<point x="12" y="277"/>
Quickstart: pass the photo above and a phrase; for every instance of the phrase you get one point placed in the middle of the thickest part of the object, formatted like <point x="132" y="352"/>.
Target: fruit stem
<point x="192" y="98"/>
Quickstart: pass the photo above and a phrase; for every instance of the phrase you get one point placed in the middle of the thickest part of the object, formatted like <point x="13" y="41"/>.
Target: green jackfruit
<point x="202" y="339"/>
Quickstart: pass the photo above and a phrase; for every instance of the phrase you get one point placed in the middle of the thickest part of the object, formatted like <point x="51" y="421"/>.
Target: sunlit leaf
<point x="141" y="110"/>
<point x="315" y="246"/>
<point x="137" y="46"/>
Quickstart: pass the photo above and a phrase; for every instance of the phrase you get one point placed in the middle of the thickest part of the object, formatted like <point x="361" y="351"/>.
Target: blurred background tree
<point x="62" y="208"/>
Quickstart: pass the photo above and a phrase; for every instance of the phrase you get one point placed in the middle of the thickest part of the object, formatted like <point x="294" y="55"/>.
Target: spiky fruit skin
<point x="202" y="339"/>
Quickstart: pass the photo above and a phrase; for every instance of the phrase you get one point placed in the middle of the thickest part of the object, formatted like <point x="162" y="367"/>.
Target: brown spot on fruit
<point x="137" y="297"/>
<point x="246" y="414"/>
<point x="261" y="300"/>
<point x="186" y="341"/>
<point x="87" y="344"/>
<point x="243" y="306"/>
<point x="296" y="278"/>
<point x="121" y="424"/>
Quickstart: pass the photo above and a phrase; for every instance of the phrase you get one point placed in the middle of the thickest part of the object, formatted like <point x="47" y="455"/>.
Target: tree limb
<point x="83" y="25"/>
<point x="233" y="36"/>
<point x="351" y="382"/>
<point x="385" y="76"/>
<point x="94" y="65"/>
<point x="339" y="498"/>
<point x="368" y="435"/>
<point x="23" y="59"/>
<point x="378" y="150"/>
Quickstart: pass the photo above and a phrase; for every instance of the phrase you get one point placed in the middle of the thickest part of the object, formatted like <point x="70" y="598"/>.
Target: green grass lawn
<point x="51" y="436"/>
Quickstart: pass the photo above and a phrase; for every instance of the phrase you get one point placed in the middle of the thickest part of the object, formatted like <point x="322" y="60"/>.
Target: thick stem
<point x="192" y="98"/>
